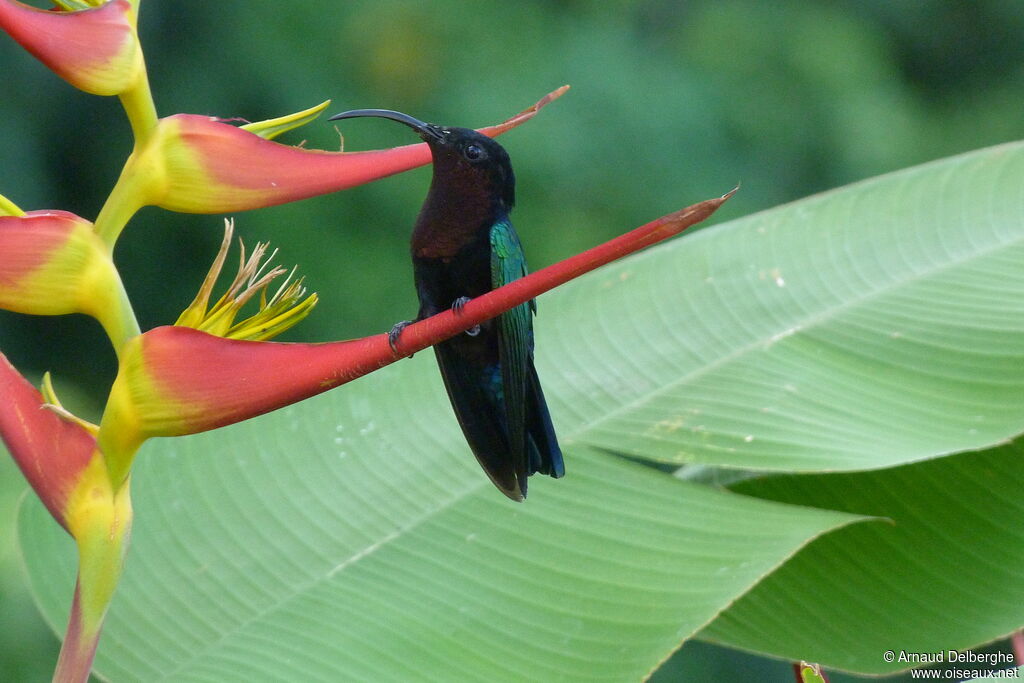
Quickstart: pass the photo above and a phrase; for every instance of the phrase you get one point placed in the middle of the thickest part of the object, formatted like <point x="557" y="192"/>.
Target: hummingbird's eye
<point x="473" y="153"/>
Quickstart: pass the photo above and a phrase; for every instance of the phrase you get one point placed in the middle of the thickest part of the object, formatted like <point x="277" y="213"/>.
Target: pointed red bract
<point x="181" y="381"/>
<point x="51" y="451"/>
<point x="93" y="49"/>
<point x="214" y="167"/>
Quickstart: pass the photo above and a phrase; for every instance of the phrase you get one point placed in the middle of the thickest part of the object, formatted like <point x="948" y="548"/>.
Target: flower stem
<point x="138" y="105"/>
<point x="117" y="316"/>
<point x="138" y="100"/>
<point x="99" y="518"/>
<point x="127" y="197"/>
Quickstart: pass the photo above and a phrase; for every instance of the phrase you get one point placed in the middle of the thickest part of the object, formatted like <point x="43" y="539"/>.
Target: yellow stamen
<point x="255" y="273"/>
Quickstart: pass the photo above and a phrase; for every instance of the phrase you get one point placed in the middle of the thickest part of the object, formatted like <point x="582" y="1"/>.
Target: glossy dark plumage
<point x="463" y="246"/>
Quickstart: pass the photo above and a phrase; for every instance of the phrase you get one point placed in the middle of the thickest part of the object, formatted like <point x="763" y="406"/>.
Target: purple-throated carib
<point x="463" y="246"/>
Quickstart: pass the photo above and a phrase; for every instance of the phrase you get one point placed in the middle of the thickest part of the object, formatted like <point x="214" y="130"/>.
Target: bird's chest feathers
<point x="444" y="240"/>
<point x="450" y="221"/>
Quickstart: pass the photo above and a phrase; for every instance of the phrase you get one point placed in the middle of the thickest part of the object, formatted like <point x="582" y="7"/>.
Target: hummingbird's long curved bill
<point x="419" y="126"/>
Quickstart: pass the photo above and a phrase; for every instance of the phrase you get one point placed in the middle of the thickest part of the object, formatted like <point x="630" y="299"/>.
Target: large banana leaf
<point x="352" y="535"/>
<point x="353" y="539"/>
<point x="869" y="326"/>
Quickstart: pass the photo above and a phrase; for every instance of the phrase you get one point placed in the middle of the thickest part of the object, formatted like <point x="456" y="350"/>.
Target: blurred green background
<point x="672" y="102"/>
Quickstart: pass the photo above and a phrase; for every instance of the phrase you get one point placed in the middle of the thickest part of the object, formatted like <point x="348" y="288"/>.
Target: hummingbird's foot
<point x="393" y="334"/>
<point x="457" y="307"/>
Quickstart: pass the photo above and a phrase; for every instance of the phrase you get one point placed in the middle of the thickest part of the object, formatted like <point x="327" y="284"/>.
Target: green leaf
<point x="871" y="326"/>
<point x="948" y="573"/>
<point x="353" y="537"/>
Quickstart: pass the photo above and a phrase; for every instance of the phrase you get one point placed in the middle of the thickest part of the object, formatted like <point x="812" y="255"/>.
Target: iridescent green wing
<point x="515" y="332"/>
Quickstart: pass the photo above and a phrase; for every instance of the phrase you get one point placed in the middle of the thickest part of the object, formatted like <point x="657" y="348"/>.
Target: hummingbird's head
<point x="471" y="159"/>
<point x="464" y="160"/>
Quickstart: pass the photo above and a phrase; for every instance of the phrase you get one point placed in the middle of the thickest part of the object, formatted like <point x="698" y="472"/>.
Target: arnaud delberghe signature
<point x="954" y="657"/>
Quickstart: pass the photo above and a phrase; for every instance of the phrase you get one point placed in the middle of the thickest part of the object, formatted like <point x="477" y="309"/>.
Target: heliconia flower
<point x="96" y="49"/>
<point x="54" y="263"/>
<point x="202" y="164"/>
<point x="176" y="380"/>
<point x="59" y="457"/>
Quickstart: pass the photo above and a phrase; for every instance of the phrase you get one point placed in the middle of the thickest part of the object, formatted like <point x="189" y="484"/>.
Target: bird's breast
<point x="445" y="240"/>
<point x="450" y="221"/>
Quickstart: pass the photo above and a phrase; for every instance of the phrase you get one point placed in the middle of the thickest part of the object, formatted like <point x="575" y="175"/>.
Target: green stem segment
<point x="126" y="197"/>
<point x="124" y="201"/>
<point x="138" y="100"/>
<point x="118" y="317"/>
<point x="138" y="105"/>
<point x="99" y="519"/>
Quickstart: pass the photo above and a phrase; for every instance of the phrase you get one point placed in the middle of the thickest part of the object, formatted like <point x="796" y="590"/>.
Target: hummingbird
<point x="464" y="245"/>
